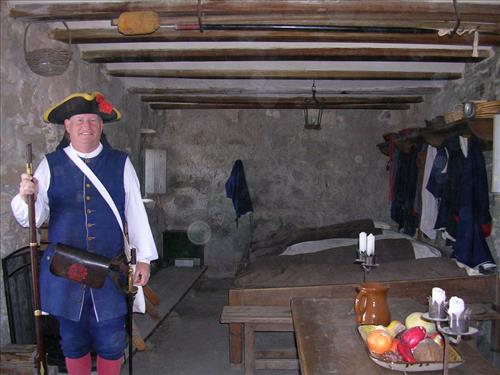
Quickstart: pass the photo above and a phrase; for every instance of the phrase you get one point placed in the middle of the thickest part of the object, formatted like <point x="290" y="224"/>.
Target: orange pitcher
<point x="370" y="304"/>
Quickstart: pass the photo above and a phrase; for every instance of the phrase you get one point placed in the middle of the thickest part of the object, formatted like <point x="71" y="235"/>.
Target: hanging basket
<point x="48" y="62"/>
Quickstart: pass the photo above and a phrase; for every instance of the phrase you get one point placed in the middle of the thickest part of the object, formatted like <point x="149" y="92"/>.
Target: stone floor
<point x="191" y="341"/>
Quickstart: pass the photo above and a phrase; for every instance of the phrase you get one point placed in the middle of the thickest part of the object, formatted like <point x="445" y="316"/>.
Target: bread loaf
<point x="428" y="351"/>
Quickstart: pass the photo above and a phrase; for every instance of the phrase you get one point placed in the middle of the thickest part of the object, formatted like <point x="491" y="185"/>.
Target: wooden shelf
<point x="435" y="135"/>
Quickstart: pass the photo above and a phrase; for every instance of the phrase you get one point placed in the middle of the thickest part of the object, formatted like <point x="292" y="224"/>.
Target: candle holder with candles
<point x="366" y="253"/>
<point x="455" y="313"/>
<point x="458" y="319"/>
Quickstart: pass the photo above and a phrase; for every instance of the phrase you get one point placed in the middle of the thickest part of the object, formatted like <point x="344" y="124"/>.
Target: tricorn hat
<point x="82" y="103"/>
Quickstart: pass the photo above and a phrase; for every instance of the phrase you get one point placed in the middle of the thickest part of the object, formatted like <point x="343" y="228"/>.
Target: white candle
<point x="362" y="242"/>
<point x="456" y="306"/>
<point x="438" y="295"/>
<point x="370" y="245"/>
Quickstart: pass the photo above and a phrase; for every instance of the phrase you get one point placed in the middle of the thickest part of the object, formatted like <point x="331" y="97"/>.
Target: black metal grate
<point x="17" y="282"/>
<point x="18" y="297"/>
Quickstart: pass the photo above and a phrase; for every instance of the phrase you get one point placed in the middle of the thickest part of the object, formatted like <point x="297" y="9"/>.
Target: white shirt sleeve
<point x="139" y="231"/>
<point x="20" y="207"/>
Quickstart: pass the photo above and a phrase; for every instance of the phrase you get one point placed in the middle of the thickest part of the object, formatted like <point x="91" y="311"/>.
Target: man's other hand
<point x="142" y="272"/>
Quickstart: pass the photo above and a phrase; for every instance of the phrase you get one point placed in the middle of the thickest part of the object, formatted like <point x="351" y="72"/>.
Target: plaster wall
<point x="24" y="98"/>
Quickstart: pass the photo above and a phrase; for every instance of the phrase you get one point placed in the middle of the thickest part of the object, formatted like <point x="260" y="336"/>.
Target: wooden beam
<point x="392" y="10"/>
<point x="284" y="74"/>
<point x="294" y="54"/>
<point x="281" y="100"/>
<point x="168" y="35"/>
<point x="273" y="92"/>
<point x="474" y="289"/>
<point x="167" y="106"/>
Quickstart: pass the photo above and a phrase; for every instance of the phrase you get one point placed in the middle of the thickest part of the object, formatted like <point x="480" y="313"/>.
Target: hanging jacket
<point x="405" y="187"/>
<point x="237" y="190"/>
<point x="462" y="190"/>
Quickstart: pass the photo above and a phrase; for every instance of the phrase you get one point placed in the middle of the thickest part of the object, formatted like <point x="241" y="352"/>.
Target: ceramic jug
<point x="370" y="304"/>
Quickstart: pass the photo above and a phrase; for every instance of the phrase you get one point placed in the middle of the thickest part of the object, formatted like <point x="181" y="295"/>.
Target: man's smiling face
<point x="84" y="131"/>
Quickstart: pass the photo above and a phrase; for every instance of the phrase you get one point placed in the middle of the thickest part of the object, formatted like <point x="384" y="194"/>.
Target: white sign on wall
<point x="155" y="171"/>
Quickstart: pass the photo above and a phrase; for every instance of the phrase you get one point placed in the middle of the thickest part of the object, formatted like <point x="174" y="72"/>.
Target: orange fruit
<point x="379" y="341"/>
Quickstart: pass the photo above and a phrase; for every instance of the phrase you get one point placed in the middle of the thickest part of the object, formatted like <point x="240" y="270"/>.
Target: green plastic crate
<point x="176" y="244"/>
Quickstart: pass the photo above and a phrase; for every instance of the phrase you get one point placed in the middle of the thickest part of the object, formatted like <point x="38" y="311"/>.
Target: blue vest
<point x="81" y="218"/>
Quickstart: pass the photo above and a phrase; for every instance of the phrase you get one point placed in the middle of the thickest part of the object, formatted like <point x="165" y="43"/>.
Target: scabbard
<point x="130" y="291"/>
<point x="130" y="317"/>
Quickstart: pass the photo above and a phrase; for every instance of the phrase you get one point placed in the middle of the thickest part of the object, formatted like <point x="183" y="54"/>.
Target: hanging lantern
<point x="313" y="111"/>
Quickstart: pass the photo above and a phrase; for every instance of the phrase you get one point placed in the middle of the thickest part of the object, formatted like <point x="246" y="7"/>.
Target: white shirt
<point x="429" y="202"/>
<point x="139" y="231"/>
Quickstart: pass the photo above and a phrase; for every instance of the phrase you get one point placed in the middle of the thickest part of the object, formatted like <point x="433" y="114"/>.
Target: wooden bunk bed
<point x="274" y="280"/>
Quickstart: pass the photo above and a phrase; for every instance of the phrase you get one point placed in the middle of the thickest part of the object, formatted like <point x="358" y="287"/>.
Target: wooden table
<point x="328" y="342"/>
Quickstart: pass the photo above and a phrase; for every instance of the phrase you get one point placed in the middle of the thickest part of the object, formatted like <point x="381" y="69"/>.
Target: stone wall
<point x="25" y="96"/>
<point x="296" y="177"/>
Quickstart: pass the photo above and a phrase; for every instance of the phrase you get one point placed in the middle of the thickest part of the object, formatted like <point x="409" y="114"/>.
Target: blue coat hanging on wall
<point x="237" y="190"/>
<point x="462" y="191"/>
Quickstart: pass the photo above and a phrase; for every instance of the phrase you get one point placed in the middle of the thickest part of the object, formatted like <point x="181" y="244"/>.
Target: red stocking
<point x="108" y="366"/>
<point x="79" y="366"/>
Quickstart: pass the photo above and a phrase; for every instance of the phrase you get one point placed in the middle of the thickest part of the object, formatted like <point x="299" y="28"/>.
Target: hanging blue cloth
<point x="461" y="186"/>
<point x="403" y="210"/>
<point x="237" y="190"/>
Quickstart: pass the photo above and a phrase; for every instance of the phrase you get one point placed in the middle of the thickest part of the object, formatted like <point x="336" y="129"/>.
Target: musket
<point x="40" y="358"/>
<point x="130" y="291"/>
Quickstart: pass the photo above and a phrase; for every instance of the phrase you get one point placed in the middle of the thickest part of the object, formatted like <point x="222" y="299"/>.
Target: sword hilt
<point x="133" y="256"/>
<point x="131" y="289"/>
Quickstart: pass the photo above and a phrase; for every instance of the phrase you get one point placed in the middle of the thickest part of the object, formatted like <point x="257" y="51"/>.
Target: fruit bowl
<point x="454" y="357"/>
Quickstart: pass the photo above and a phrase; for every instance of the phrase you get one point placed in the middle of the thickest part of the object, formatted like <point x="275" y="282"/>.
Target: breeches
<point x="108" y="338"/>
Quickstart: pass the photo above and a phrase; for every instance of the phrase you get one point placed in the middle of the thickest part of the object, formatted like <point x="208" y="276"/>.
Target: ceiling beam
<point x="297" y="54"/>
<point x="356" y="10"/>
<point x="166" y="35"/>
<point x="281" y="100"/>
<point x="263" y="92"/>
<point x="375" y="106"/>
<point x="284" y="74"/>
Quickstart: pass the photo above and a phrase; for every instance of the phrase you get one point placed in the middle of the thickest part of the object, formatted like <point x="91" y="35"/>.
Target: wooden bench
<point x="262" y="319"/>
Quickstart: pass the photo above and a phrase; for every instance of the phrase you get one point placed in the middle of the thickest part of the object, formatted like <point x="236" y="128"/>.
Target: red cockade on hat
<point x="77" y="272"/>
<point x="104" y="106"/>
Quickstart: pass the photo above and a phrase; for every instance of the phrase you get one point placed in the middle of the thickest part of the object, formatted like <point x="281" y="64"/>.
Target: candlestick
<point x="437" y="308"/>
<point x="365" y="255"/>
<point x="438" y="295"/>
<point x="370" y="245"/>
<point x="362" y="242"/>
<point x="458" y="317"/>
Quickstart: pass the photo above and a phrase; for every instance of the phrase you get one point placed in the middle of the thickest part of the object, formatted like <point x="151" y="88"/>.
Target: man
<point x="80" y="217"/>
